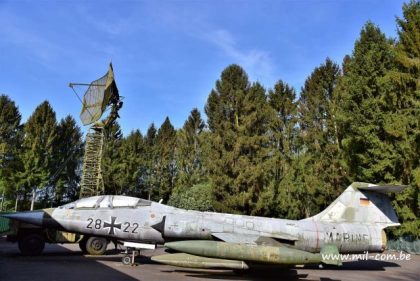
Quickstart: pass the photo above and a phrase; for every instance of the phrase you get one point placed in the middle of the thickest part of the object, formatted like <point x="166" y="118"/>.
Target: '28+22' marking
<point x="112" y="225"/>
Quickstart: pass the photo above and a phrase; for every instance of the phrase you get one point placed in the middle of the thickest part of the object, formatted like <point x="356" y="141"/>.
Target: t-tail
<point x="362" y="203"/>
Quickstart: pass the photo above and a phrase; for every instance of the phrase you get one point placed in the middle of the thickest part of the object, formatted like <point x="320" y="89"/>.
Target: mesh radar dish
<point x="99" y="94"/>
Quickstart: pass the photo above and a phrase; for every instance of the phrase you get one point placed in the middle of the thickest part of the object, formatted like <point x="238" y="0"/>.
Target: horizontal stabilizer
<point x="379" y="188"/>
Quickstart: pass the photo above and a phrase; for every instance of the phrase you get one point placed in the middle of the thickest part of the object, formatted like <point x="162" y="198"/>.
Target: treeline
<point x="40" y="157"/>
<point x="271" y="152"/>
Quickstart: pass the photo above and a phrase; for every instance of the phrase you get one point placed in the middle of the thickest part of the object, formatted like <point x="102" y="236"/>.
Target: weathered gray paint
<point x="354" y="222"/>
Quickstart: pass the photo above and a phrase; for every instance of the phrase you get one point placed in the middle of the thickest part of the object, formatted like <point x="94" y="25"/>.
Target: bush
<point x="198" y="197"/>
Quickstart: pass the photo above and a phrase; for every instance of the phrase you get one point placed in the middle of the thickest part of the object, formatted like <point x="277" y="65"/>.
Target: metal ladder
<point x="92" y="182"/>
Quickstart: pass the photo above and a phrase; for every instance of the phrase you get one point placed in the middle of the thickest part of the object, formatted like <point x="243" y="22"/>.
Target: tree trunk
<point x="16" y="202"/>
<point x="2" y="201"/>
<point x="33" y="198"/>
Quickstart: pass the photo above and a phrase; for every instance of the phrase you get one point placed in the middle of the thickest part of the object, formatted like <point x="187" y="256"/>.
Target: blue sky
<point x="167" y="55"/>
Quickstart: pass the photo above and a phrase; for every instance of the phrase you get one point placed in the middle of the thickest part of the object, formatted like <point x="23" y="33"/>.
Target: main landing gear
<point x="93" y="245"/>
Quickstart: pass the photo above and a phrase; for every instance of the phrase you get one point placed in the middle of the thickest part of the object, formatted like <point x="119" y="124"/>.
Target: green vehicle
<point x="31" y="239"/>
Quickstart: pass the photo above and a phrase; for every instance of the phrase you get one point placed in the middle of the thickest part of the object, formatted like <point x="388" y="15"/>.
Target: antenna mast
<point x="100" y="95"/>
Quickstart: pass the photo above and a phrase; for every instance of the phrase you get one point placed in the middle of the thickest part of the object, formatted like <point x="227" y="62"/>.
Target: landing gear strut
<point x="130" y="255"/>
<point x="132" y="250"/>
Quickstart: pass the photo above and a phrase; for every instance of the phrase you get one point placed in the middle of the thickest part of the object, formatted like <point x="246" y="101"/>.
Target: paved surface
<point x="66" y="262"/>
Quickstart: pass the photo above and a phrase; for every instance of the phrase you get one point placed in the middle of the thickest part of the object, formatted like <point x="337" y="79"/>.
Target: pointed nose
<point x="40" y="217"/>
<point x="35" y="217"/>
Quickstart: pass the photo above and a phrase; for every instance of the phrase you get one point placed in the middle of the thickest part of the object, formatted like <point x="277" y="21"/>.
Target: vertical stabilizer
<point x="364" y="203"/>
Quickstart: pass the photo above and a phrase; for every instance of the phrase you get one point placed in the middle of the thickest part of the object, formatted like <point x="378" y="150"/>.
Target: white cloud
<point x="256" y="62"/>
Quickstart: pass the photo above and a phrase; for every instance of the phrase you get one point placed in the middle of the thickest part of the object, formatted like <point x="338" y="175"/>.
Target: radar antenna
<point x="101" y="95"/>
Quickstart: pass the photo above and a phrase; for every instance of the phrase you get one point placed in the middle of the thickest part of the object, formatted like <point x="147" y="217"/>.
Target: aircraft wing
<point x="236" y="238"/>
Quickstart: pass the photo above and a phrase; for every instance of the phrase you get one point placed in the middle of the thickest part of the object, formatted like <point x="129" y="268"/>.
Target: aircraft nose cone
<point x="34" y="217"/>
<point x="39" y="217"/>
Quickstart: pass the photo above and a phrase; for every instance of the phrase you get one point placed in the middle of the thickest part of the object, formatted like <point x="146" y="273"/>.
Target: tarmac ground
<point x="66" y="262"/>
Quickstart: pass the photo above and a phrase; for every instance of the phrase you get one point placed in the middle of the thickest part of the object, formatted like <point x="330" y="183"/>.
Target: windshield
<point x="107" y="201"/>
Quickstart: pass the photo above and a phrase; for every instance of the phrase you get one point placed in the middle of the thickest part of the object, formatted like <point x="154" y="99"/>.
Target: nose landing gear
<point x="132" y="250"/>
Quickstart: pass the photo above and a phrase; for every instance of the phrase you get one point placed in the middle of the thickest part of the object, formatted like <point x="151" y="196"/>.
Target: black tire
<point x="31" y="244"/>
<point x="126" y="260"/>
<point x="96" y="245"/>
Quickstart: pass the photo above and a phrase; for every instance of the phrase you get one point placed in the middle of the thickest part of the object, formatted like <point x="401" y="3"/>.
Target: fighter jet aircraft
<point x="353" y="223"/>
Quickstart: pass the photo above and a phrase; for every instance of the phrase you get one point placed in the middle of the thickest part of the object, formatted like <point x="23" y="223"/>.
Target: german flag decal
<point x="364" y="202"/>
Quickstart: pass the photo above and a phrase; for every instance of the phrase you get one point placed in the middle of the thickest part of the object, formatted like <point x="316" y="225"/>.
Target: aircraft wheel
<point x="31" y="244"/>
<point x="126" y="260"/>
<point x="96" y="245"/>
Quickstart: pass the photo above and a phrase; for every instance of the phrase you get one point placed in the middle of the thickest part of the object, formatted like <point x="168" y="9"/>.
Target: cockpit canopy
<point x="107" y="201"/>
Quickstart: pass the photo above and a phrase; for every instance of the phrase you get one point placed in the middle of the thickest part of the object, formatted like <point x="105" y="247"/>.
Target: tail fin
<point x="364" y="203"/>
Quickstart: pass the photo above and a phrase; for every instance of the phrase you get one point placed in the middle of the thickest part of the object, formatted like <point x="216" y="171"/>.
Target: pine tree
<point x="223" y="110"/>
<point x="363" y="108"/>
<point x="238" y="121"/>
<point x="252" y="148"/>
<point x="276" y="198"/>
<point x="401" y="121"/>
<point x="151" y="135"/>
<point x="321" y="137"/>
<point x="111" y="158"/>
<point x="39" y="150"/>
<point x="10" y="142"/>
<point x="148" y="176"/>
<point x="189" y="152"/>
<point x="283" y="122"/>
<point x="132" y="156"/>
<point x="379" y="113"/>
<point x="166" y="171"/>
<point x="68" y="159"/>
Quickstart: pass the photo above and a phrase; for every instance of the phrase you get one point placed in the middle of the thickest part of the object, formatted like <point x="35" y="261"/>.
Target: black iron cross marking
<point x="112" y="225"/>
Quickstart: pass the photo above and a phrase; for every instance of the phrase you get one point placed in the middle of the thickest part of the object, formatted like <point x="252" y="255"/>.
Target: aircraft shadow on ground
<point x="361" y="265"/>
<point x="59" y="264"/>
<point x="253" y="275"/>
<point x="368" y="265"/>
<point x="268" y="273"/>
<point x="114" y="258"/>
<point x="273" y="273"/>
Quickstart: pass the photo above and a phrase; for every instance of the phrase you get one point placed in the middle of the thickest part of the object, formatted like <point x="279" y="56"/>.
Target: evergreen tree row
<point x="40" y="157"/>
